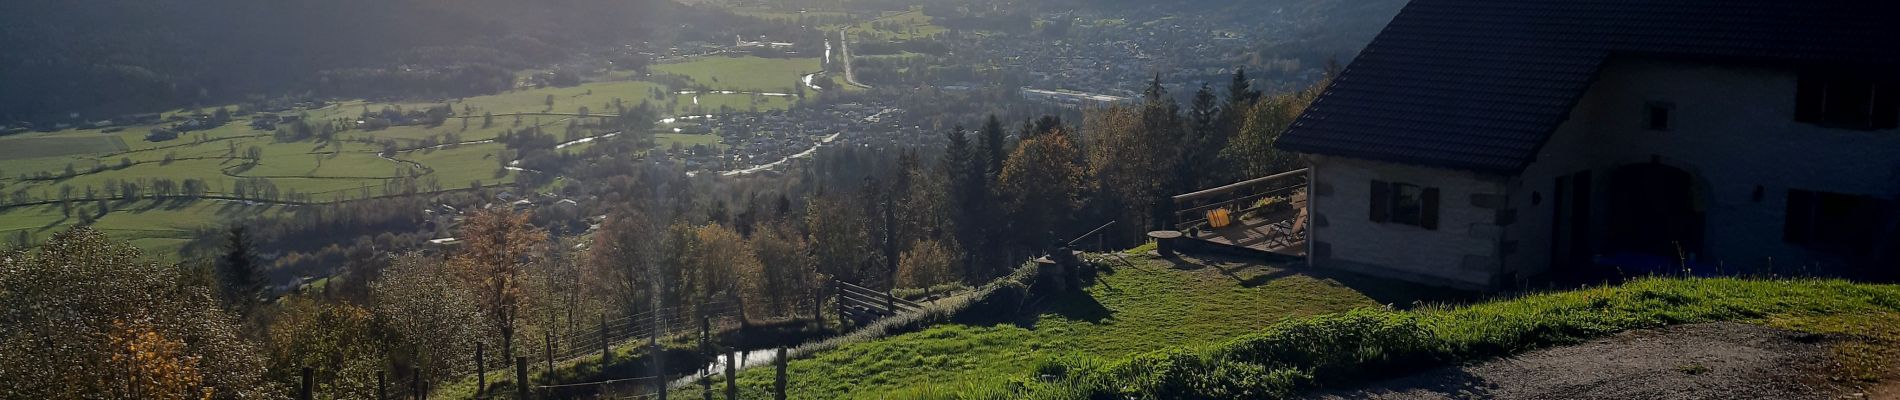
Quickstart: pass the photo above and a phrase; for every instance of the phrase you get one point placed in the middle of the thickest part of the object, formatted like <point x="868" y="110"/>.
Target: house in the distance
<point x="1480" y="144"/>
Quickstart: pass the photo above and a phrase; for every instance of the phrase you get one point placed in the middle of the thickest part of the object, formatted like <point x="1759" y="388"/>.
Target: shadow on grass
<point x="1077" y="304"/>
<point x="1400" y="294"/>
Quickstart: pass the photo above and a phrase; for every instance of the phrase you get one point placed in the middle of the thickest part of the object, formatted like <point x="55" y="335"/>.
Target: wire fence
<point x="665" y="322"/>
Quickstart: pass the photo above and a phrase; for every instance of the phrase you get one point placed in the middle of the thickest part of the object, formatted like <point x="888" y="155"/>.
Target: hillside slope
<point x="1126" y="309"/>
<point x="108" y="57"/>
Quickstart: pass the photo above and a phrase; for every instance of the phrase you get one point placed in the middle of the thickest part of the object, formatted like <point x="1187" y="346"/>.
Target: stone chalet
<point x="1484" y="144"/>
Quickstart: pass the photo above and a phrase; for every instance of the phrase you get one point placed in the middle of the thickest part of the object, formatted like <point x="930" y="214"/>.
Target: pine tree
<point x="1155" y="92"/>
<point x="239" y="280"/>
<point x="1205" y="140"/>
<point x="1240" y="92"/>
<point x="1162" y="127"/>
<point x="994" y="151"/>
<point x="1240" y="98"/>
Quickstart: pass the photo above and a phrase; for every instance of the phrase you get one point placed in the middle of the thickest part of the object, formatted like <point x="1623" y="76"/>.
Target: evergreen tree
<point x="1155" y="92"/>
<point x="994" y="151"/>
<point x="1240" y="98"/>
<point x="1240" y="92"/>
<point x="962" y="170"/>
<point x="783" y="207"/>
<point x="239" y="281"/>
<point x="1161" y="121"/>
<point x="1204" y="141"/>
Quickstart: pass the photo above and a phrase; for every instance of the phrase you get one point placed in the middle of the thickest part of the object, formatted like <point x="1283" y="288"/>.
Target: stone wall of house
<point x="1462" y="252"/>
<point x="1733" y="128"/>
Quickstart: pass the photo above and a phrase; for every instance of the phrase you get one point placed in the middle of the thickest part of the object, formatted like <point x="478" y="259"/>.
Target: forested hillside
<point x="109" y="57"/>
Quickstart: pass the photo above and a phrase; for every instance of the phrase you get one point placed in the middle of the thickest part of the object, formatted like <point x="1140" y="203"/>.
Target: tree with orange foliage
<point x="86" y="317"/>
<point x="496" y="245"/>
<point x="154" y="366"/>
<point x="722" y="261"/>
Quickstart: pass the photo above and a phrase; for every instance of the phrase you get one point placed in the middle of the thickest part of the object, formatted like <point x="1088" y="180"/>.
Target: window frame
<point x="1826" y="221"/>
<point x="1387" y="198"/>
<point x="1817" y="91"/>
<point x="1668" y="110"/>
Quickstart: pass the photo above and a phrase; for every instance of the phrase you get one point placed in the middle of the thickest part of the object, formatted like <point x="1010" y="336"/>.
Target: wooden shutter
<point x="1381" y="201"/>
<point x="1886" y="106"/>
<point x="1428" y="209"/>
<point x="1809" y="94"/>
<point x="1800" y="220"/>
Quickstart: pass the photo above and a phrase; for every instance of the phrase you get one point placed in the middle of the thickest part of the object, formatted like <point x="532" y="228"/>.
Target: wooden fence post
<point x="481" y="370"/>
<point x="890" y="303"/>
<point x="606" y="349"/>
<point x="659" y="362"/>
<point x="303" y="393"/>
<point x="415" y="382"/>
<point x="659" y="368"/>
<point x="732" y="370"/>
<point x="818" y="306"/>
<point x="521" y="377"/>
<point x="778" y="385"/>
<point x="550" y="349"/>
<point x="382" y="385"/>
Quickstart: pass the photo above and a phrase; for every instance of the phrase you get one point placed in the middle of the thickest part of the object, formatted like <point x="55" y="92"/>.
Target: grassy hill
<point x="1150" y="304"/>
<point x="1214" y="329"/>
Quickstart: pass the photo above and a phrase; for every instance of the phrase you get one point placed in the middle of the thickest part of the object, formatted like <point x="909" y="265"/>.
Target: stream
<point x="696" y="93"/>
<point x="747" y="359"/>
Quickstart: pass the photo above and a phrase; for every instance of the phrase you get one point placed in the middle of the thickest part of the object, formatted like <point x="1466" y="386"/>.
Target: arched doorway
<point x="1655" y="210"/>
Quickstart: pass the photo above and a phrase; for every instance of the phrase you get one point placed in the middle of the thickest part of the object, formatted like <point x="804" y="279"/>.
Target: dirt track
<point x="1703" y="361"/>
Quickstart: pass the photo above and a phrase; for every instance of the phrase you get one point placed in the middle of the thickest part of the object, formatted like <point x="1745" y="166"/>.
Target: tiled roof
<point x="1481" y="84"/>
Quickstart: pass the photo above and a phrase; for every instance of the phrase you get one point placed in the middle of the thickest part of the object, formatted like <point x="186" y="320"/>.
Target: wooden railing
<point x="864" y="304"/>
<point x="1240" y="199"/>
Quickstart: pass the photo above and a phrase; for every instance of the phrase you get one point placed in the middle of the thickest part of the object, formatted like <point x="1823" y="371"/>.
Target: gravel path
<point x="1702" y="361"/>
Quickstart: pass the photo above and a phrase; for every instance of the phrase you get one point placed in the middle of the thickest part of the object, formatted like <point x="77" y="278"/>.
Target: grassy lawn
<point x="1341" y="350"/>
<point x="52" y="146"/>
<point x="1151" y="306"/>
<point x="912" y="24"/>
<point x="714" y="103"/>
<point x="456" y="167"/>
<point x="158" y="227"/>
<point x="745" y="73"/>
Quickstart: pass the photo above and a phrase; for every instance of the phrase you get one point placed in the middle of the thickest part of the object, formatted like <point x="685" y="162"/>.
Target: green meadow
<point x="351" y="166"/>
<point x="744" y="73"/>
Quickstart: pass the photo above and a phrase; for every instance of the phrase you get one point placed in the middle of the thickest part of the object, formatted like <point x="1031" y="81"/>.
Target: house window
<point x="1847" y="100"/>
<point x="1658" y="115"/>
<point x="1832" y="221"/>
<point x="1404" y="203"/>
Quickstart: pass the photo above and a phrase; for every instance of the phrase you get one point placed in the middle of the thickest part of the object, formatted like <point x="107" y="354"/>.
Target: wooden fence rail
<point x="1239" y="198"/>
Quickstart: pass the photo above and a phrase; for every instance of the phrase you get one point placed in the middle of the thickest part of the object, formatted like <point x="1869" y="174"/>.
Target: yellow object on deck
<point x="1219" y="218"/>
